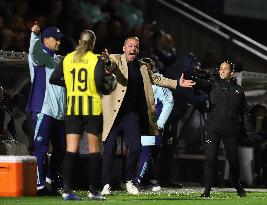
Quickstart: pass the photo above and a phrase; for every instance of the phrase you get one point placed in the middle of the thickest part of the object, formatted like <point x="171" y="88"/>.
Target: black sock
<point x="94" y="171"/>
<point x="68" y="166"/>
<point x="207" y="189"/>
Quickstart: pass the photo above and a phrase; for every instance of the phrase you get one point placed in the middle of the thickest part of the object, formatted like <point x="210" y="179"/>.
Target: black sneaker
<point x="206" y="193"/>
<point x="240" y="190"/>
<point x="53" y="189"/>
<point x="45" y="192"/>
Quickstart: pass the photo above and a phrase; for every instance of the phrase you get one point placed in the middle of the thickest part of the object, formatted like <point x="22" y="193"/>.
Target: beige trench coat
<point x="111" y="103"/>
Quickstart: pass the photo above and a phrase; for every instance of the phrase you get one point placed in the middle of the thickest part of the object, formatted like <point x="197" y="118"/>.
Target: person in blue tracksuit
<point x="164" y="104"/>
<point x="46" y="104"/>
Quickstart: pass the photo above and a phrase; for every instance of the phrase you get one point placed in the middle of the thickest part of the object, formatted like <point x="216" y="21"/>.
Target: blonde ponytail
<point x="86" y="43"/>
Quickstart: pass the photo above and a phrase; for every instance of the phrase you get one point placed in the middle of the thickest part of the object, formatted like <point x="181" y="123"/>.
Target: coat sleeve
<point x="33" y="40"/>
<point x="35" y="50"/>
<point x="159" y="80"/>
<point x="163" y="95"/>
<point x="112" y="64"/>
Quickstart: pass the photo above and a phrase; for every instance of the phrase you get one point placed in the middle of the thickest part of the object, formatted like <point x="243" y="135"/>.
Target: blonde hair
<point x="86" y="43"/>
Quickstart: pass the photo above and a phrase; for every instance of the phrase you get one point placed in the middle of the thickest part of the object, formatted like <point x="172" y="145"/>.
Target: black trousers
<point x="212" y="143"/>
<point x="127" y="126"/>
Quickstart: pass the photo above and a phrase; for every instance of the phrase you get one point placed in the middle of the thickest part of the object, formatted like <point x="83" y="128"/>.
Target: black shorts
<point x="77" y="124"/>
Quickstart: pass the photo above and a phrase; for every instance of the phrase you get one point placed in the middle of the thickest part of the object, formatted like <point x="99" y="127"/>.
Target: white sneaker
<point x="106" y="190"/>
<point x="155" y="185"/>
<point x="131" y="188"/>
<point x="156" y="188"/>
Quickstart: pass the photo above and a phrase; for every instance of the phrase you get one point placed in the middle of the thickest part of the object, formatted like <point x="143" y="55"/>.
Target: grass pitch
<point x="187" y="196"/>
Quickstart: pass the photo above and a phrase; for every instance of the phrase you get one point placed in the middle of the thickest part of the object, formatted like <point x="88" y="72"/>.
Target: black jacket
<point x="228" y="112"/>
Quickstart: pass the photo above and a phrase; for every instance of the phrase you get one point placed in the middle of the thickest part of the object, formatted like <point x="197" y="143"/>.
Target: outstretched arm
<point x="185" y="83"/>
<point x="159" y="80"/>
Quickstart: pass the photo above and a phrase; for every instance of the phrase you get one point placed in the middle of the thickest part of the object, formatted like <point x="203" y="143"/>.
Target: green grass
<point x="166" y="197"/>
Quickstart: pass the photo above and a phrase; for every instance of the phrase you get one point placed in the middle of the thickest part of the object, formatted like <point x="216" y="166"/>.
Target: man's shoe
<point x="53" y="188"/>
<point x="45" y="192"/>
<point x="206" y="193"/>
<point x="155" y="185"/>
<point x="106" y="190"/>
<point x="42" y="192"/>
<point x="71" y="197"/>
<point x="96" y="196"/>
<point x="132" y="188"/>
<point x="240" y="190"/>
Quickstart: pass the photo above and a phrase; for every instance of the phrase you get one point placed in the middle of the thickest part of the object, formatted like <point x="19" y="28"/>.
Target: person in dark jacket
<point x="227" y="117"/>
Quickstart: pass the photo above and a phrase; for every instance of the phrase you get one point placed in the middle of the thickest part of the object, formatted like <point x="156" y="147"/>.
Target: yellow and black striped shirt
<point x="82" y="94"/>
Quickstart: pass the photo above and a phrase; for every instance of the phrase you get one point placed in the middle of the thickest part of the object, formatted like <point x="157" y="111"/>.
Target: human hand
<point x="36" y="28"/>
<point x="186" y="83"/>
<point x="105" y="55"/>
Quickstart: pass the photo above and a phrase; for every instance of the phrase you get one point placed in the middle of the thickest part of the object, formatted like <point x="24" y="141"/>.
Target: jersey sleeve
<point x="57" y="77"/>
<point x="164" y="95"/>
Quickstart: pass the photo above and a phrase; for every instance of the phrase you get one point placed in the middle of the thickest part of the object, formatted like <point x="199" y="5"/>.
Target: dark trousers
<point x="48" y="129"/>
<point x="126" y="125"/>
<point x="212" y="143"/>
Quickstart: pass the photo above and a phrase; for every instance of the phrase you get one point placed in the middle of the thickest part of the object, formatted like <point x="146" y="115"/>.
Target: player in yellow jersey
<point x="82" y="72"/>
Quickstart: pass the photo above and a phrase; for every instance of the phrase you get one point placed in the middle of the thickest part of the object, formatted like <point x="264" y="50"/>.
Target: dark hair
<point x="232" y="66"/>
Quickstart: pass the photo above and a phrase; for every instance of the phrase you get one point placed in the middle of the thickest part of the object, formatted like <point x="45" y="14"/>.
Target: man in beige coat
<point x="129" y="111"/>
